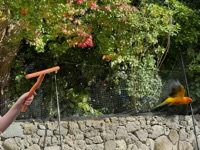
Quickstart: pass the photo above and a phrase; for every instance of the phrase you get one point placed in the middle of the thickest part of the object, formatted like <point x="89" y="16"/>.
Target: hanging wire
<point x="51" y="101"/>
<point x="58" y="109"/>
<point x="187" y="90"/>
<point x="171" y="71"/>
<point x="45" y="136"/>
<point x="168" y="40"/>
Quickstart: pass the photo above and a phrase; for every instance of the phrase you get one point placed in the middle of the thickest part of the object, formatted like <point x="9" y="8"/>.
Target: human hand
<point x="14" y="111"/>
<point x="24" y="99"/>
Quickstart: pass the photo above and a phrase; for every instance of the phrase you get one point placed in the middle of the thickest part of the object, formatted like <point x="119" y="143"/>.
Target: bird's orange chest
<point x="175" y="101"/>
<point x="178" y="102"/>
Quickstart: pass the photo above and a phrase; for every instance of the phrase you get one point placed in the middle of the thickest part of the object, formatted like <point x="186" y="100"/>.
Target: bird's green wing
<point x="177" y="90"/>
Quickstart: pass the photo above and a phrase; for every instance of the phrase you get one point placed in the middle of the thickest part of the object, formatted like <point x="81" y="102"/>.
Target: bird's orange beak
<point x="189" y="100"/>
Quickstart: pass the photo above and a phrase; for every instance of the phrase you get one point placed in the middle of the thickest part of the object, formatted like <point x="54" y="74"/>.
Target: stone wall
<point x="110" y="133"/>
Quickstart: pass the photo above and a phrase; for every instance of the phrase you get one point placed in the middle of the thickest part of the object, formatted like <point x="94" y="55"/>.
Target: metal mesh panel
<point x="102" y="94"/>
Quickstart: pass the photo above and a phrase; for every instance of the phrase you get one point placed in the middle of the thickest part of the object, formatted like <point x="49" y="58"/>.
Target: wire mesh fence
<point x="102" y="97"/>
<point x="87" y="93"/>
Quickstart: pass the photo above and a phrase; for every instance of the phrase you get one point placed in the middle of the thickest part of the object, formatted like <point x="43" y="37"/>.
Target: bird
<point x="175" y="95"/>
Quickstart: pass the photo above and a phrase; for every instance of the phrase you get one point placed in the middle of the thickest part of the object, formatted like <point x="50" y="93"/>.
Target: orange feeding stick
<point x="35" y="74"/>
<point x="41" y="75"/>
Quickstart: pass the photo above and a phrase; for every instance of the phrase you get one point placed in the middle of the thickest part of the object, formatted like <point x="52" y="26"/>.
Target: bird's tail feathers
<point x="160" y="106"/>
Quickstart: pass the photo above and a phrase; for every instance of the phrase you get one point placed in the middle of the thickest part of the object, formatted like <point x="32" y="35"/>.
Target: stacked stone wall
<point x="109" y="133"/>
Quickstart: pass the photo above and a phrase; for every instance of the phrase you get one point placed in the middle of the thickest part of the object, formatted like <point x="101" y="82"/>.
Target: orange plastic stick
<point x="32" y="90"/>
<point x="35" y="74"/>
<point x="41" y="75"/>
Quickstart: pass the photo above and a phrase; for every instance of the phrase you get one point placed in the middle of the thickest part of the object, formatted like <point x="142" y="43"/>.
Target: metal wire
<point x="187" y="90"/>
<point x="58" y="110"/>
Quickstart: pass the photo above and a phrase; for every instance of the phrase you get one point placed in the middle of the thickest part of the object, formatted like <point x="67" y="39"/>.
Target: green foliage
<point x="78" y="103"/>
<point x="193" y="69"/>
<point x="144" y="83"/>
<point x="189" y="21"/>
<point x="186" y="41"/>
<point x="115" y="34"/>
<point x="132" y="41"/>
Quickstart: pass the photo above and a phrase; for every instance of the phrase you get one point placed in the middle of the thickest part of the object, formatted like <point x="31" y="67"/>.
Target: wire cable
<point x="58" y="109"/>
<point x="168" y="41"/>
<point x="187" y="89"/>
